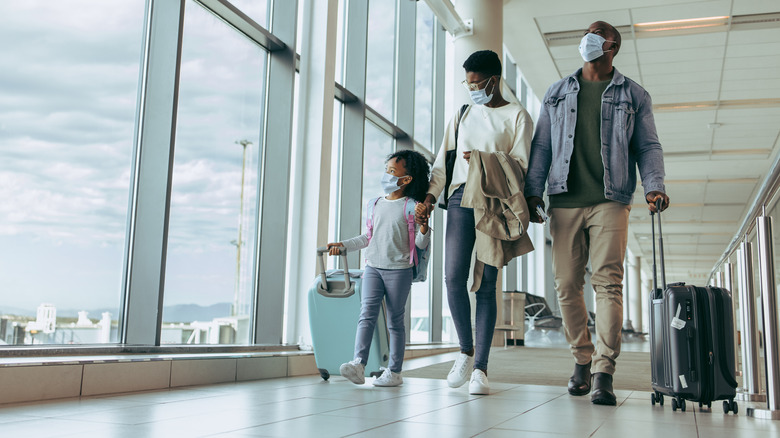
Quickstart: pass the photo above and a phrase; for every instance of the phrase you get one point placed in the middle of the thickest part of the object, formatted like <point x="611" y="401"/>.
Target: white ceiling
<point x="717" y="153"/>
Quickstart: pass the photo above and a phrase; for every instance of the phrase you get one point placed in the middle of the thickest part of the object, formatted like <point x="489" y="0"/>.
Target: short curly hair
<point x="417" y="167"/>
<point x="486" y="62"/>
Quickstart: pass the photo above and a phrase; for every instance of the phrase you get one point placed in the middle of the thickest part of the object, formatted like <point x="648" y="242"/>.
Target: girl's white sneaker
<point x="389" y="378"/>
<point x="354" y="371"/>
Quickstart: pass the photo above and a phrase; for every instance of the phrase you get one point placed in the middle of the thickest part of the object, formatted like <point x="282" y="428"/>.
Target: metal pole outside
<point x="751" y="387"/>
<point x="769" y="301"/>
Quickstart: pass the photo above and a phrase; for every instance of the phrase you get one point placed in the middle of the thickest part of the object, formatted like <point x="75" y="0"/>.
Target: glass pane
<point x="208" y="281"/>
<point x="423" y="81"/>
<point x="257" y="10"/>
<point x="380" y="57"/>
<point x="340" y="45"/>
<point x="68" y="91"/>
<point x="378" y="145"/>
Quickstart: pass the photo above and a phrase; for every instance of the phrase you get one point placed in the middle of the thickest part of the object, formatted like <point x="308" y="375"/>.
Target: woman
<point x="491" y="125"/>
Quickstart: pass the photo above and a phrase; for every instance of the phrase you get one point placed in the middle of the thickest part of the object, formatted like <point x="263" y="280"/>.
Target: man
<point x="595" y="127"/>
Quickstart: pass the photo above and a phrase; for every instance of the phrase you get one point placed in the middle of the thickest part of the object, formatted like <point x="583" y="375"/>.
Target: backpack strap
<point x="370" y="217"/>
<point x="409" y="216"/>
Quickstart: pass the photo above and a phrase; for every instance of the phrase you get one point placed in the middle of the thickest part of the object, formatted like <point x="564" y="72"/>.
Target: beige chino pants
<point x="598" y="233"/>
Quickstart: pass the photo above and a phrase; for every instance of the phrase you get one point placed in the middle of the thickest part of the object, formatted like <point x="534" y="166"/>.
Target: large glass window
<point x="378" y="145"/>
<point x="257" y="10"/>
<point x="213" y="216"/>
<point x="335" y="180"/>
<point x="423" y="71"/>
<point x="68" y="91"/>
<point x="380" y="57"/>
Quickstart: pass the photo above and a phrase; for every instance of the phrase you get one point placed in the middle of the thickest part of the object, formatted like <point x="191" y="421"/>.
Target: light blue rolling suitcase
<point x="334" y="309"/>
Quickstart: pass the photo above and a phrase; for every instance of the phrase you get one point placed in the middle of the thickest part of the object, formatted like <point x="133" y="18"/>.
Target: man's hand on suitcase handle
<point x="653" y="199"/>
<point x="333" y="248"/>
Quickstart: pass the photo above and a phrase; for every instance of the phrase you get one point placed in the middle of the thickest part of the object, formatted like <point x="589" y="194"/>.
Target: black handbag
<point x="449" y="161"/>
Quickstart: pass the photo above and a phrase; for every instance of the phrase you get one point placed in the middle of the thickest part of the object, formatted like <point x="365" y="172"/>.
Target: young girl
<point x="388" y="271"/>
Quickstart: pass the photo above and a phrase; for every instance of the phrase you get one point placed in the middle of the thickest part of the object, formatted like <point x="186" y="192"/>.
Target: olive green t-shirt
<point x="586" y="170"/>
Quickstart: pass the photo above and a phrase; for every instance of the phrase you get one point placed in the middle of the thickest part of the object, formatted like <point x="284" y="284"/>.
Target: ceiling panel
<point x="749" y="74"/>
<point x="754" y="36"/>
<point x="723" y="212"/>
<point x="681" y="11"/>
<point x="739" y="92"/>
<point x="691" y="193"/>
<point x="680" y="42"/>
<point x="701" y="65"/>
<point x="674" y="78"/>
<point x="682" y="55"/>
<point x="661" y="97"/>
<point x="580" y="20"/>
<point x="746" y="62"/>
<point x="728" y="192"/>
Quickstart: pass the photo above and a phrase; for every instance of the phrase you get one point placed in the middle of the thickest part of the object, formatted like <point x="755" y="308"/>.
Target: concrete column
<point x="488" y="26"/>
<point x="311" y="189"/>
<point x="635" y="294"/>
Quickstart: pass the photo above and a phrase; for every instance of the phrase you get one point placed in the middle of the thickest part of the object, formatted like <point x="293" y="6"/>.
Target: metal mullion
<point x="228" y="13"/>
<point x="353" y="122"/>
<point x="275" y="174"/>
<point x="437" y="255"/>
<point x="147" y="233"/>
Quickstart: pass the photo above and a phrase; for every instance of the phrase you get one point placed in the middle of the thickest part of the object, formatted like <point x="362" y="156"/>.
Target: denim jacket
<point x="627" y="133"/>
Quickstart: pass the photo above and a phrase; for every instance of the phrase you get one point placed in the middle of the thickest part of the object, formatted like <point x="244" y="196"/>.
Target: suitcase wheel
<point x="652" y="399"/>
<point x="678" y="403"/>
<point x="656" y="397"/>
<point x="730" y="405"/>
<point x="324" y="374"/>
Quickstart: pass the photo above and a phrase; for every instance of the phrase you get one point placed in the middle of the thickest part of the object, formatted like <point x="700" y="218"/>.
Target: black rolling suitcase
<point x="691" y="341"/>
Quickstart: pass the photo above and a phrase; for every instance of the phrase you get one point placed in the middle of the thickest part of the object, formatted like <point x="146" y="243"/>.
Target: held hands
<point x="421" y="215"/>
<point x="653" y="197"/>
<point x="533" y="202"/>
<point x="333" y="248"/>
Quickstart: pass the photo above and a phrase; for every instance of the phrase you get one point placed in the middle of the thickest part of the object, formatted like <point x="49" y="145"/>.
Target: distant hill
<point x="176" y="313"/>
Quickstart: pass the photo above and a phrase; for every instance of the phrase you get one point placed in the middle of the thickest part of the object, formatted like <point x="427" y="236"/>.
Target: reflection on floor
<point x="309" y="406"/>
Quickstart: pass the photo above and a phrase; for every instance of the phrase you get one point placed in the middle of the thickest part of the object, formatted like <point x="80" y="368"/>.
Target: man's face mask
<point x="591" y="46"/>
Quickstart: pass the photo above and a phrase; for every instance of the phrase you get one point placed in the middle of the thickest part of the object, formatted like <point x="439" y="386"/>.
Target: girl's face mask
<point x="390" y="183"/>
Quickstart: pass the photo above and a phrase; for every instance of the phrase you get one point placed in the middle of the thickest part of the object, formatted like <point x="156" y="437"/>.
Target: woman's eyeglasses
<point x="474" y="86"/>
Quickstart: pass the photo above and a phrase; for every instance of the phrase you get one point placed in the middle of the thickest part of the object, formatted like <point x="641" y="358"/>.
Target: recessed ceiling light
<point x="690" y="23"/>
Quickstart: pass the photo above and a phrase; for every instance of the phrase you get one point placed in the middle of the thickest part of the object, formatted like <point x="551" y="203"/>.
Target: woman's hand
<point x="333" y="248"/>
<point x="467" y="156"/>
<point x="421" y="216"/>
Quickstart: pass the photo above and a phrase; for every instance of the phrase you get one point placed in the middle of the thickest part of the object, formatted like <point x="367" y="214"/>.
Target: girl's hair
<point x="416" y="167"/>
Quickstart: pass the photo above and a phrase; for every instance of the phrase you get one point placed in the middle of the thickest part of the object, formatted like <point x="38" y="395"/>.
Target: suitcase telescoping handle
<point x="660" y="247"/>
<point x="321" y="259"/>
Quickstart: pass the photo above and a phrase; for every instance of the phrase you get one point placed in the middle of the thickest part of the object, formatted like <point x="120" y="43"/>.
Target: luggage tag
<point x="678" y="323"/>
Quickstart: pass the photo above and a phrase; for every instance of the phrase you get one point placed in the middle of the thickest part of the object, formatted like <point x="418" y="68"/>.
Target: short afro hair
<point x="485" y="62"/>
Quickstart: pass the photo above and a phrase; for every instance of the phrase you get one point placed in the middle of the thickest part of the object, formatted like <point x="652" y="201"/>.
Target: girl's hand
<point x="333" y="248"/>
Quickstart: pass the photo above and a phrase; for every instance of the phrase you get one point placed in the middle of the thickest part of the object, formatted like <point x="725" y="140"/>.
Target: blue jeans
<point x="394" y="286"/>
<point x="461" y="233"/>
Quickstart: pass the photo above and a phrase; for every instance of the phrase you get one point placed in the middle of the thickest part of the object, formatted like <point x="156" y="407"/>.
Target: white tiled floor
<point x="308" y="406"/>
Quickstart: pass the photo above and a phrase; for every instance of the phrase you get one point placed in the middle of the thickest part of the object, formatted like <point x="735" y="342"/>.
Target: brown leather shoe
<point x="603" y="393"/>
<point x="579" y="383"/>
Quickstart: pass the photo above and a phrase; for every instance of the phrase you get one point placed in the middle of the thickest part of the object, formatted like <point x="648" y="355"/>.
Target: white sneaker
<point x="388" y="378"/>
<point x="459" y="374"/>
<point x="479" y="383"/>
<point x="354" y="371"/>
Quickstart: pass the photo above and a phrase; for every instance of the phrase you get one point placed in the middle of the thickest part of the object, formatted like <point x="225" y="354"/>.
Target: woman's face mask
<point x="591" y="46"/>
<point x="480" y="97"/>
